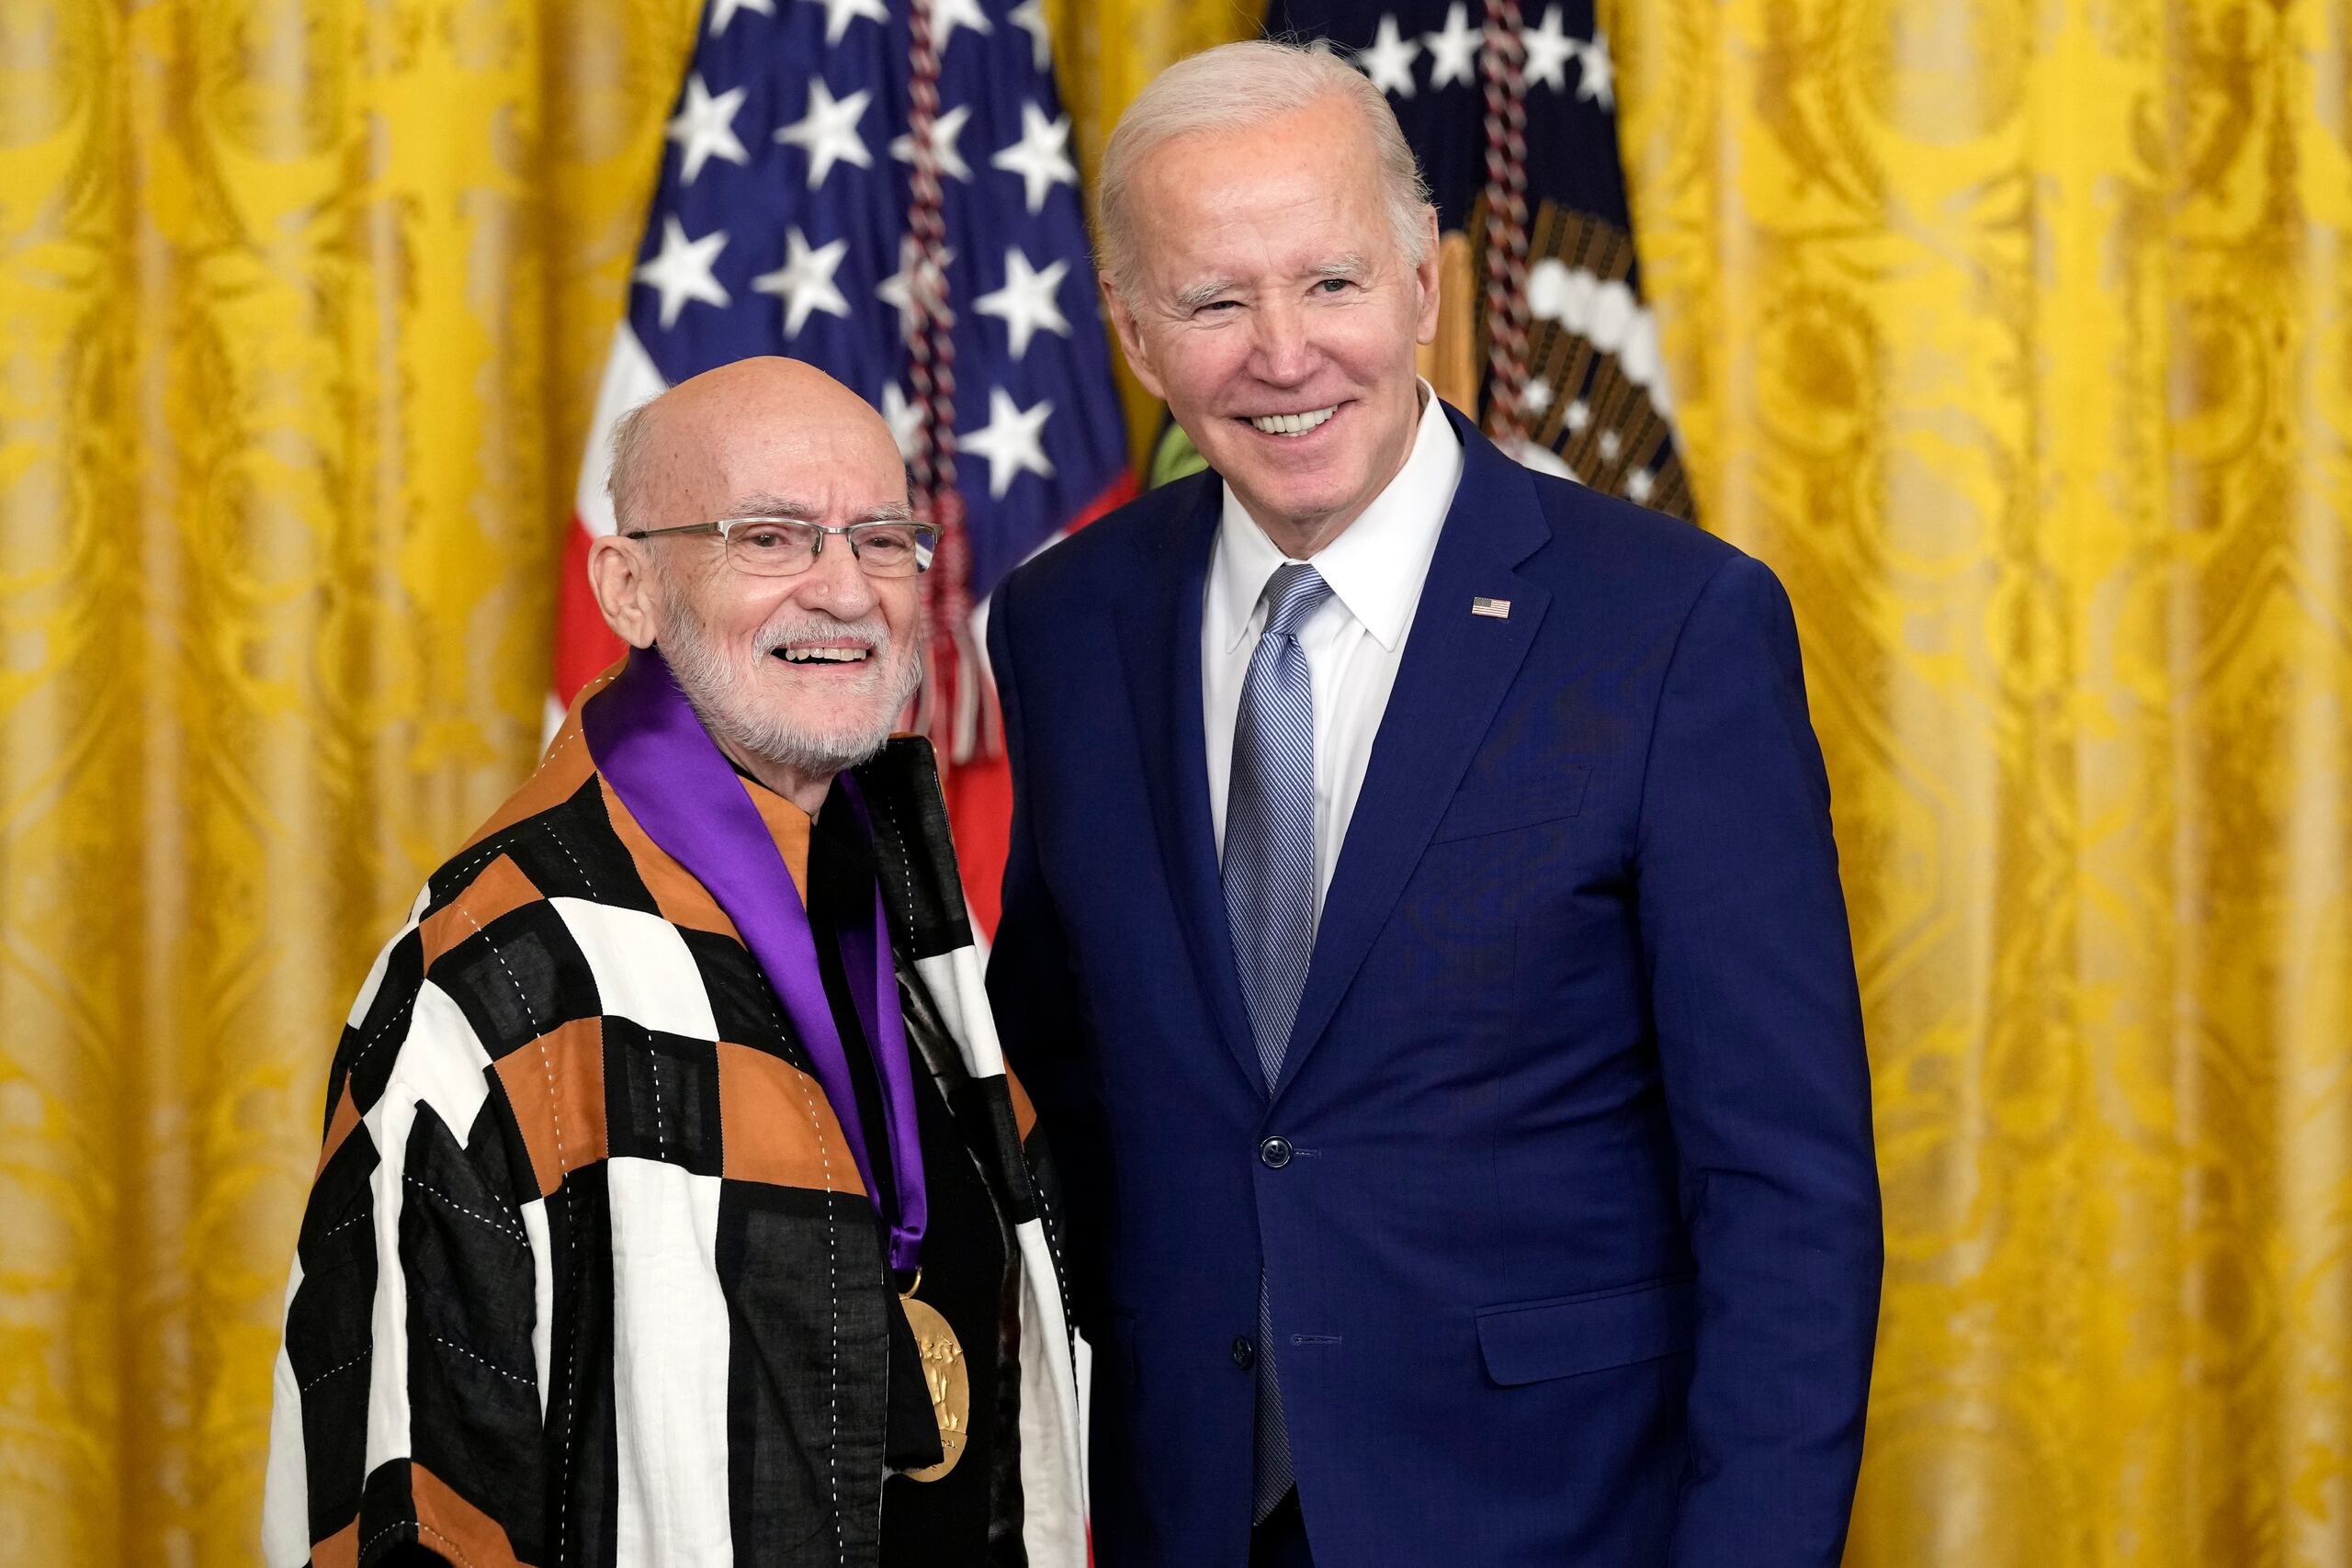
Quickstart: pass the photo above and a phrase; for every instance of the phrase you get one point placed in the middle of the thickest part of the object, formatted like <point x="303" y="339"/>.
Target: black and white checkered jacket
<point x="587" y="1275"/>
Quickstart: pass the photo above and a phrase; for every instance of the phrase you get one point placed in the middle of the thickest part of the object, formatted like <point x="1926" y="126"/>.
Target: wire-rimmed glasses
<point x="786" y="547"/>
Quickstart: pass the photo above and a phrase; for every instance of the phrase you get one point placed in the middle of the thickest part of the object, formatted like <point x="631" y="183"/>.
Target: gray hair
<point x="1234" y="88"/>
<point x="622" y="480"/>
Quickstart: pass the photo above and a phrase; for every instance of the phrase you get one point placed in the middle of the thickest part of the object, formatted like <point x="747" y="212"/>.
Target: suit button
<point x="1245" y="1355"/>
<point x="1274" y="1153"/>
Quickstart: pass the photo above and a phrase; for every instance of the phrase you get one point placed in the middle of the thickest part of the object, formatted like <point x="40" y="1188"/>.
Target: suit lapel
<point x="1456" y="670"/>
<point x="1159" y="639"/>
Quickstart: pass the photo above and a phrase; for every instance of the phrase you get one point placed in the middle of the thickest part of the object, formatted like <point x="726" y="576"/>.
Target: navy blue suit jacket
<point x="1577" y="1260"/>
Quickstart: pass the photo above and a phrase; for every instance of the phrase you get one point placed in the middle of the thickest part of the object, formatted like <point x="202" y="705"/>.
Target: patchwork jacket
<point x="587" y="1274"/>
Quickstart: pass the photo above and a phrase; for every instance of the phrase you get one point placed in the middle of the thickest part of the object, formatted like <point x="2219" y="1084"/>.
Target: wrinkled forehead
<point x="774" y="465"/>
<point x="1223" y="204"/>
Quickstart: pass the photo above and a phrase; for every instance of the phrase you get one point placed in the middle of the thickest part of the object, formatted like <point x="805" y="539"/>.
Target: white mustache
<point x="812" y="627"/>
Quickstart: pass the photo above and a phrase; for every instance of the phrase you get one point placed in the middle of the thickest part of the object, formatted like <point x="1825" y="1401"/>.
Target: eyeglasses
<point x="783" y="547"/>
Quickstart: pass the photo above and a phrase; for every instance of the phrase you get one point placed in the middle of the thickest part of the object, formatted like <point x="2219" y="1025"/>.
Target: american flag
<point x="1511" y="108"/>
<point x="786" y="222"/>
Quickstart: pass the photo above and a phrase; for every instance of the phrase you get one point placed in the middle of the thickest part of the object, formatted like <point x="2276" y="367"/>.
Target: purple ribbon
<point x="653" y="749"/>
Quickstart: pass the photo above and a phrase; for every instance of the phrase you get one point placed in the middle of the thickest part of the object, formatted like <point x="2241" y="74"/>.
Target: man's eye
<point x="888" y="543"/>
<point x="1217" y="307"/>
<point x="767" y="539"/>
<point x="1332" y="284"/>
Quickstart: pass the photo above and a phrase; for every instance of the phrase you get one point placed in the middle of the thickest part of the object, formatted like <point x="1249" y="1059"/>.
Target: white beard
<point x="720" y="688"/>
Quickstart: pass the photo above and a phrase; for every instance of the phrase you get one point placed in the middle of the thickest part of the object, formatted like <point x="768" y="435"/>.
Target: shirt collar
<point x="1377" y="564"/>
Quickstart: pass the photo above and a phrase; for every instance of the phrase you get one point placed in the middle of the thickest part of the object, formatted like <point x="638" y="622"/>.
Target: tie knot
<point x="1292" y="596"/>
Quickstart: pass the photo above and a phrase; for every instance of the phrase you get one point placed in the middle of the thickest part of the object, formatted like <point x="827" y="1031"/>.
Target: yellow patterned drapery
<point x="1106" y="50"/>
<point x="2016" y="335"/>
<point x="302" y="307"/>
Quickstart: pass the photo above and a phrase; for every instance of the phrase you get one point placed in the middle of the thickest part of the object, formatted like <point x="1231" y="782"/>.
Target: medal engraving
<point x="945" y="1375"/>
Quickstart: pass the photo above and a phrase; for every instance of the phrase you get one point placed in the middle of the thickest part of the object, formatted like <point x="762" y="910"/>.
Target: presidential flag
<point x="1511" y="108"/>
<point x="886" y="190"/>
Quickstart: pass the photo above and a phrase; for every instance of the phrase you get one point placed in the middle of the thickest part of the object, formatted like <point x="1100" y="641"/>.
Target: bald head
<point x="671" y="456"/>
<point x="795" y="675"/>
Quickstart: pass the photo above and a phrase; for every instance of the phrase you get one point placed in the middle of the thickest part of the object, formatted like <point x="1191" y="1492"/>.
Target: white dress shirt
<point x="1353" y="641"/>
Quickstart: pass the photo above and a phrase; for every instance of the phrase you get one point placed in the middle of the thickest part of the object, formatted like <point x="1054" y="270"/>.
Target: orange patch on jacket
<point x="556" y="1087"/>
<point x="788" y="826"/>
<point x="499" y="888"/>
<point x="1024" y="1114"/>
<point x="777" y="1126"/>
<point x="455" y="1528"/>
<point x="340" y="1550"/>
<point x="682" y="900"/>
<point x="564" y="767"/>
<point x="339" y="1126"/>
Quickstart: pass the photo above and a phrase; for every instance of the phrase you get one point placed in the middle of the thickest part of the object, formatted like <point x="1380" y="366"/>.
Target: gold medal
<point x="945" y="1375"/>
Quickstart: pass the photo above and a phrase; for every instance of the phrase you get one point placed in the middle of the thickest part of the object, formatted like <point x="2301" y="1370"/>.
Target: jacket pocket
<point x="1474" y="813"/>
<point x="1526" y="1342"/>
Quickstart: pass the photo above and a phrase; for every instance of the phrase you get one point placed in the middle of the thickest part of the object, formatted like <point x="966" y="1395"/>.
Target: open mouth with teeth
<point x="825" y="653"/>
<point x="1293" y="425"/>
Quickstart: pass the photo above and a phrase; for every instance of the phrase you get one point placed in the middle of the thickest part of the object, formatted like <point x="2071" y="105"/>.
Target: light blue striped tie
<point x="1269" y="888"/>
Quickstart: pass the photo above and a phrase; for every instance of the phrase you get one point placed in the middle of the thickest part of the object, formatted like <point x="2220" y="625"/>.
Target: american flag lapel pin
<point x="1498" y="608"/>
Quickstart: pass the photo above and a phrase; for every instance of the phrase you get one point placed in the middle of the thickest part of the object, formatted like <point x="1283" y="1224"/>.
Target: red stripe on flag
<point x="585" y="644"/>
<point x="980" y="792"/>
<point x="1120" y="492"/>
<point x="980" y="812"/>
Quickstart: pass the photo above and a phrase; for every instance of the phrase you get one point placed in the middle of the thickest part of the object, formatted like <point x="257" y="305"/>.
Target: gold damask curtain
<point x="2016" y="335"/>
<point x="301" y="309"/>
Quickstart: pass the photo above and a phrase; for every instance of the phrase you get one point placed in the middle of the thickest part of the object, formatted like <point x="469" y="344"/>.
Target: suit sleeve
<point x="407" y="1422"/>
<point x="1032" y="990"/>
<point x="1767" y="1086"/>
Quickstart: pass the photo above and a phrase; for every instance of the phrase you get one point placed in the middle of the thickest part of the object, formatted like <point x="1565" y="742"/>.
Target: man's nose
<point x="1285" y="350"/>
<point x="835" y="581"/>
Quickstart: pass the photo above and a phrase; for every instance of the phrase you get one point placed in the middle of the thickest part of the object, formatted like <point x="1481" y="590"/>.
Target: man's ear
<point x="622" y="579"/>
<point x="1122" y="321"/>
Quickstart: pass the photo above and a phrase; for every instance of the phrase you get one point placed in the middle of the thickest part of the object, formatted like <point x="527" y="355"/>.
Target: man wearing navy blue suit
<point x="1422" y="933"/>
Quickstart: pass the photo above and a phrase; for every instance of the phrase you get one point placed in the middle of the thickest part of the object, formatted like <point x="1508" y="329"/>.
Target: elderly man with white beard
<point x="675" y="1206"/>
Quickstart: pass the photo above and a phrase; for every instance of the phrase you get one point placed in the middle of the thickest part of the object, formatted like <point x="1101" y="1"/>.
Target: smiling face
<point x="796" y="677"/>
<point x="1275" y="311"/>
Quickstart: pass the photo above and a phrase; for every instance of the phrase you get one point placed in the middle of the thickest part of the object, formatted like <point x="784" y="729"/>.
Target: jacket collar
<point x="1456" y="670"/>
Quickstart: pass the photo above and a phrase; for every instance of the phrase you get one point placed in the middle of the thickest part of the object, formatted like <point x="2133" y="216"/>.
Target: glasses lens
<point x="772" y="549"/>
<point x="894" y="549"/>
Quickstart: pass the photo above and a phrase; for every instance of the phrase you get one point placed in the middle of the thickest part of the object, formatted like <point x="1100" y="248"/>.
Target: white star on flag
<point x="898" y="287"/>
<point x="828" y="131"/>
<point x="805" y="281"/>
<point x="904" y="419"/>
<point x="1030" y="15"/>
<point x="705" y="127"/>
<point x="724" y="12"/>
<point x="1549" y="48"/>
<point x="840" y="14"/>
<point x="1599" y="80"/>
<point x="1011" y="441"/>
<point x="1389" y="60"/>
<point x="946" y="15"/>
<point x="944" y="132"/>
<point x="1026" y="304"/>
<point x="1041" y="157"/>
<point x="1454" y="54"/>
<point x="681" y="272"/>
